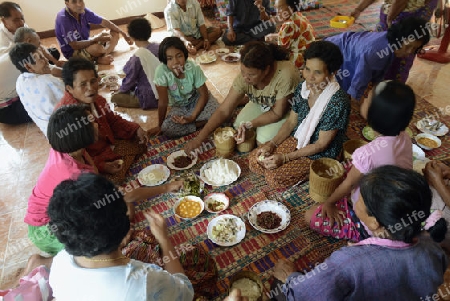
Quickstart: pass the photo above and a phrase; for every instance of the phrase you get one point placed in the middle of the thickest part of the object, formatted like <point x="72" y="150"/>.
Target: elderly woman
<point x="92" y="267"/>
<point x="318" y="121"/>
<point x="369" y="55"/>
<point x="295" y="34"/>
<point x="269" y="81"/>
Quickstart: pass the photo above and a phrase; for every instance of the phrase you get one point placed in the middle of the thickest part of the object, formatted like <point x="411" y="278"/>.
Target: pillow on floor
<point x="155" y="22"/>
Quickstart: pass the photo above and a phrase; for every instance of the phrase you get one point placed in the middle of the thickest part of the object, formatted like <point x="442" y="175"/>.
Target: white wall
<point x="40" y="15"/>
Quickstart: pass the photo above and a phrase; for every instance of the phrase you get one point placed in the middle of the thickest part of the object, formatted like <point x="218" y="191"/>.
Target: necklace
<point x="105" y="259"/>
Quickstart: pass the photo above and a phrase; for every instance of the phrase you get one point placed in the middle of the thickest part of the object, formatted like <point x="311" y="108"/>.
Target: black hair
<point x="140" y="29"/>
<point x="391" y="108"/>
<point x="259" y="55"/>
<point x="170" y="42"/>
<point x="22" y="54"/>
<point x="71" y="68"/>
<point x="88" y="215"/>
<point x="402" y="30"/>
<point x="293" y="4"/>
<point x="19" y="35"/>
<point x="327" y="52"/>
<point x="69" y="128"/>
<point x="6" y="7"/>
<point x="397" y="196"/>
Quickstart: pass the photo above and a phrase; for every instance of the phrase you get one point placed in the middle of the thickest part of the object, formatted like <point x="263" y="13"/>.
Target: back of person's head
<point x="391" y="108"/>
<point x="260" y="55"/>
<point x="400" y="200"/>
<point x="69" y="128"/>
<point x="327" y="52"/>
<point x="22" y="33"/>
<point x="293" y="4"/>
<point x="73" y="65"/>
<point x="171" y="42"/>
<point x="22" y="54"/>
<point x="407" y="28"/>
<point x="140" y="29"/>
<point x="6" y="7"/>
<point x="88" y="215"/>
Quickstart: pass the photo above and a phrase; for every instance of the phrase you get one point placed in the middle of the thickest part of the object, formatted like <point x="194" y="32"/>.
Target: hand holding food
<point x="174" y="186"/>
<point x="158" y="226"/>
<point x="114" y="166"/>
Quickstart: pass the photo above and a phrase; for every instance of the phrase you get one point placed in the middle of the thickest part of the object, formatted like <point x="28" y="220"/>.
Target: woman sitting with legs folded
<point x="318" y="119"/>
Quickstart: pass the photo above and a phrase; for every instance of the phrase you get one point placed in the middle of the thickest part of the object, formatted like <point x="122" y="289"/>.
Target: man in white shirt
<point x="185" y="20"/>
<point x="11" y="109"/>
<point x="39" y="91"/>
<point x="12" y="18"/>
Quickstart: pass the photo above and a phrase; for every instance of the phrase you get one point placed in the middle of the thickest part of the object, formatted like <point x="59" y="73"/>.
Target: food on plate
<point x="152" y="177"/>
<point x="221" y="171"/>
<point x="225" y="230"/>
<point x="188" y="208"/>
<point x="248" y="288"/>
<point x="182" y="161"/>
<point x="215" y="205"/>
<point x="206" y="58"/>
<point x="261" y="158"/>
<point x="268" y="220"/>
<point x="222" y="51"/>
<point x="427" y="142"/>
<point x="230" y="58"/>
<point x="192" y="185"/>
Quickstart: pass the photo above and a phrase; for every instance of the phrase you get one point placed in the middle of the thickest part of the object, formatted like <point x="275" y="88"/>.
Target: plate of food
<point x="231" y="58"/>
<point x="269" y="216"/>
<point x="370" y="134"/>
<point x="192" y="185"/>
<point x="206" y="58"/>
<point x="222" y="51"/>
<point x="179" y="160"/>
<point x="432" y="126"/>
<point x="216" y="202"/>
<point x="153" y="175"/>
<point x="188" y="207"/>
<point x="220" y="172"/>
<point x="226" y="230"/>
<point x="427" y="141"/>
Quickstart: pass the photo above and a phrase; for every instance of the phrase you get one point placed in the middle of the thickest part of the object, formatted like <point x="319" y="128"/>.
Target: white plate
<point x="222" y="51"/>
<point x="418" y="153"/>
<point x="156" y="173"/>
<point x="171" y="160"/>
<point x="206" y="58"/>
<point x="208" y="181"/>
<point x="236" y="57"/>
<point x="273" y="206"/>
<point x="239" y="235"/>
<point x="440" y="132"/>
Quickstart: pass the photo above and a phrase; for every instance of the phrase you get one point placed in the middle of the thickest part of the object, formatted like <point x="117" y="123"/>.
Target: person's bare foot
<point x="105" y="60"/>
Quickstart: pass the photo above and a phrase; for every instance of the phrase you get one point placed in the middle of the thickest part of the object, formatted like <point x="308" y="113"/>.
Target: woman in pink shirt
<point x="389" y="114"/>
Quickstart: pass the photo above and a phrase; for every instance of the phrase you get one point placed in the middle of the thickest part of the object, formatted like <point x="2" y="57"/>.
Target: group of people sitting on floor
<point x="296" y="94"/>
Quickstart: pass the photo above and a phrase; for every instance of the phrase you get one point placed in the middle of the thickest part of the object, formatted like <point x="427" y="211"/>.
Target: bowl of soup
<point x="427" y="141"/>
<point x="188" y="207"/>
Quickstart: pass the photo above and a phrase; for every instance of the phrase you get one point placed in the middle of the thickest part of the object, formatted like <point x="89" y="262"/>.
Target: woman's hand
<point x="114" y="166"/>
<point x="240" y="136"/>
<point x="274" y="161"/>
<point x="183" y="119"/>
<point x="283" y="269"/>
<point x="433" y="173"/>
<point x="142" y="135"/>
<point x="231" y="35"/>
<point x="266" y="149"/>
<point x="235" y="295"/>
<point x="174" y="186"/>
<point x="154" y="131"/>
<point x="158" y="226"/>
<point x="329" y="210"/>
<point x="355" y="13"/>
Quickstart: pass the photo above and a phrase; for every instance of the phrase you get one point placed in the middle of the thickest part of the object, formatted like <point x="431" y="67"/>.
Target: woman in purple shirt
<point x="397" y="263"/>
<point x="138" y="89"/>
<point x="368" y="55"/>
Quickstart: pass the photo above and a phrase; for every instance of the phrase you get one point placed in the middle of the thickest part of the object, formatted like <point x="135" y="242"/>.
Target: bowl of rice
<point x="249" y="283"/>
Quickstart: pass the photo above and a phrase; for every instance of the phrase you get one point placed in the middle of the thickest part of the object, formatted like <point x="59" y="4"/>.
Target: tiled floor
<point x="24" y="149"/>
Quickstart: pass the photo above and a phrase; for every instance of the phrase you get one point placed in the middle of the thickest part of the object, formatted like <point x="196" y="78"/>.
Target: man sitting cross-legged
<point x="72" y="28"/>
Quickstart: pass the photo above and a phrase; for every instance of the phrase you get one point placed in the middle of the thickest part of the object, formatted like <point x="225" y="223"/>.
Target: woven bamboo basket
<point x="224" y="141"/>
<point x="325" y="175"/>
<point x="249" y="143"/>
<point x="350" y="146"/>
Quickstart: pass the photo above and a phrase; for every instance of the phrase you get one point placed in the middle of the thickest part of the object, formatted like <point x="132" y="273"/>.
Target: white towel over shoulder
<point x="149" y="63"/>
